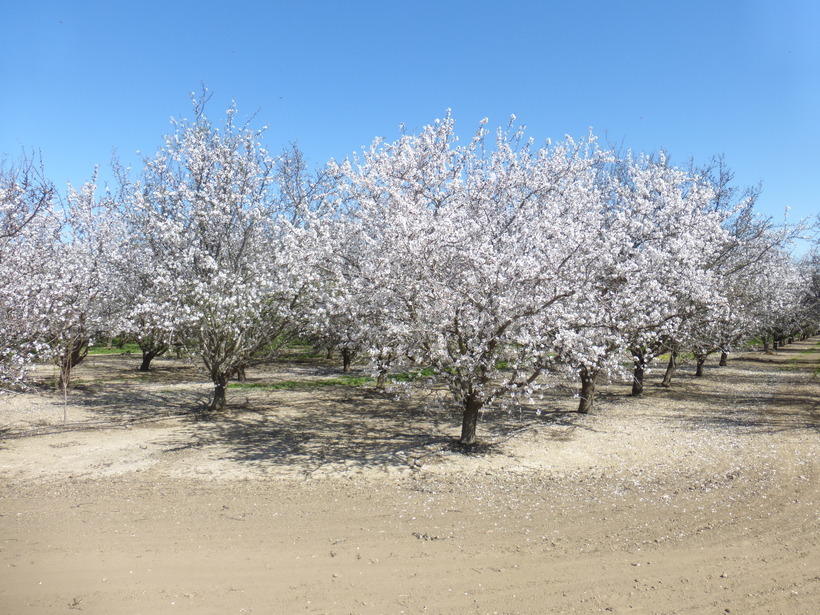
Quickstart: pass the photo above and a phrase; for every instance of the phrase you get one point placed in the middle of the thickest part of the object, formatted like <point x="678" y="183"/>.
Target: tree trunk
<point x="151" y="351"/>
<point x="589" y="379"/>
<point x="724" y="359"/>
<point x="147" y="357"/>
<point x="347" y="359"/>
<point x="469" y="422"/>
<point x="670" y="369"/>
<point x="766" y="344"/>
<point x="638" y="373"/>
<point x="220" y="384"/>
<point x="701" y="359"/>
<point x="73" y="354"/>
<point x="383" y="365"/>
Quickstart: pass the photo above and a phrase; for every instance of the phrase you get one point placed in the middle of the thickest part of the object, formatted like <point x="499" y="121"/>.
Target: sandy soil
<point x="702" y="498"/>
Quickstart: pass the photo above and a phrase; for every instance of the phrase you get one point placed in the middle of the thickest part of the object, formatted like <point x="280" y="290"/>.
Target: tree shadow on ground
<point x="110" y="391"/>
<point x="760" y="400"/>
<point x="335" y="427"/>
<point x="114" y="406"/>
<point x="341" y="428"/>
<point x="776" y="413"/>
<point x="306" y="426"/>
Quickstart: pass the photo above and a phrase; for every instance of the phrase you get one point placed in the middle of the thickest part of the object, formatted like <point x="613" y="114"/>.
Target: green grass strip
<point x="343" y="381"/>
<point x="101" y="350"/>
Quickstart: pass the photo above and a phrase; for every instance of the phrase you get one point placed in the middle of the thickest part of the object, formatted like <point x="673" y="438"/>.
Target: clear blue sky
<point x="695" y="77"/>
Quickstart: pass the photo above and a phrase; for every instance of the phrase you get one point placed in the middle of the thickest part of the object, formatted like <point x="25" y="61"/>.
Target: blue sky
<point x="697" y="78"/>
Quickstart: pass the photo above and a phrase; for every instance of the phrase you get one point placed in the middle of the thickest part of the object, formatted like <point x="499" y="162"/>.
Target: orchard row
<point x="490" y="263"/>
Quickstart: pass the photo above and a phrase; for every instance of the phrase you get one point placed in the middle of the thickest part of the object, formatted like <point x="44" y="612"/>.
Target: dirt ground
<point x="702" y="498"/>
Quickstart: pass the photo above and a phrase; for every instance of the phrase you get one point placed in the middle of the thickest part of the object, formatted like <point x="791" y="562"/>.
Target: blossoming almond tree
<point x="738" y="268"/>
<point x="808" y="311"/>
<point x="780" y="289"/>
<point x="79" y="294"/>
<point x="674" y="240"/>
<point x="468" y="253"/>
<point x="656" y="248"/>
<point x="26" y="198"/>
<point x="227" y="272"/>
<point x="62" y="290"/>
<point x="142" y="319"/>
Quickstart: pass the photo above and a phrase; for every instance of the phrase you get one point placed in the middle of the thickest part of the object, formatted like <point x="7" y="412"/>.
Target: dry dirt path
<point x="699" y="499"/>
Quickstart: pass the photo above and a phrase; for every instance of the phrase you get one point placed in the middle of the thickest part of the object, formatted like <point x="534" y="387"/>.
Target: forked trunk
<point x="472" y="406"/>
<point x="589" y="380"/>
<point x="701" y="359"/>
<point x="149" y="353"/>
<point x="147" y="357"/>
<point x="220" y="386"/>
<point x="670" y="369"/>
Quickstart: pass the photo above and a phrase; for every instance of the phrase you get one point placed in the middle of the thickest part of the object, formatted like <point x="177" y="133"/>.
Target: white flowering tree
<point x="142" y="318"/>
<point x="26" y="199"/>
<point x="463" y="256"/>
<point x="62" y="290"/>
<point x="674" y="239"/>
<point x="780" y="289"/>
<point x="724" y="324"/>
<point x="222" y="244"/>
<point x="79" y="290"/>
<point x="809" y="307"/>
<point x="657" y="246"/>
<point x="739" y="268"/>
